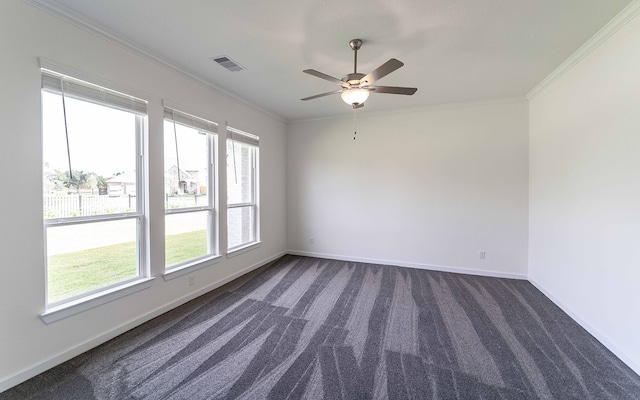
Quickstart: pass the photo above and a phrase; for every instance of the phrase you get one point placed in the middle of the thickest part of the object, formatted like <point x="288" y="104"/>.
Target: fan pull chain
<point x="354" y="124"/>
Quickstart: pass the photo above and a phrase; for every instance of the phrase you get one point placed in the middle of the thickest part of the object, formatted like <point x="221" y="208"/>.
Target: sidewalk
<point x="67" y="239"/>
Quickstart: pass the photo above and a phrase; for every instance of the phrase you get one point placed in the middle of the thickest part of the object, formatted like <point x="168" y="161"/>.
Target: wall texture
<point x="27" y="345"/>
<point x="584" y="220"/>
<point x="420" y="188"/>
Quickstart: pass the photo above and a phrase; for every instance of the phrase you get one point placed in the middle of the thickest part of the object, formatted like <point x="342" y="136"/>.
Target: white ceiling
<point x="454" y="51"/>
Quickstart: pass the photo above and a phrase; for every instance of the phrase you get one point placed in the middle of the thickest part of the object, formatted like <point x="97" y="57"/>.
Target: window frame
<point x="238" y="136"/>
<point x="71" y="305"/>
<point x="209" y="129"/>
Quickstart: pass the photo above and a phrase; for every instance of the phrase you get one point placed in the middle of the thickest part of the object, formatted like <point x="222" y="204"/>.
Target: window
<point x="242" y="189"/>
<point x="92" y="188"/>
<point x="190" y="214"/>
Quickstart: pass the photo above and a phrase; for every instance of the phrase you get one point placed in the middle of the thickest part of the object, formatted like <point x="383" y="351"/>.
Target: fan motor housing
<point x="353" y="79"/>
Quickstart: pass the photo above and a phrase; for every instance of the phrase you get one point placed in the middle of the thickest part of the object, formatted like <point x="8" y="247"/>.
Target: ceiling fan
<point x="356" y="87"/>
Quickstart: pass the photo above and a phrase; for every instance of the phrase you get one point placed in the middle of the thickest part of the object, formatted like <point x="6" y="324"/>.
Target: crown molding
<point x="99" y="30"/>
<point x="619" y="21"/>
<point x="415" y="109"/>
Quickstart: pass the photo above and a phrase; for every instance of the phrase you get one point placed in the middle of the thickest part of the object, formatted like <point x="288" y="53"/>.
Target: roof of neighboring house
<point x="183" y="173"/>
<point x="127" y="177"/>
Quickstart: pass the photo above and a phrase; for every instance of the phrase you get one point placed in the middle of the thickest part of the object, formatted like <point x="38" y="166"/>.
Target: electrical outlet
<point x="311" y="240"/>
<point x="192" y="280"/>
<point x="483" y="255"/>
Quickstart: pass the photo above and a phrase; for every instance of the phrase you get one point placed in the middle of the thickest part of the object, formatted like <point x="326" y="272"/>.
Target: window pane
<point x="241" y="223"/>
<point x="240" y="187"/>
<point x="85" y="257"/>
<point x="102" y="150"/>
<point x="189" y="154"/>
<point x="186" y="237"/>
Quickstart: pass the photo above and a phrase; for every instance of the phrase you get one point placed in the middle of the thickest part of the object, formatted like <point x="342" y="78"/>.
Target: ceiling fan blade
<point x="392" y="89"/>
<point x="322" y="76"/>
<point x="322" y="95"/>
<point x="383" y="70"/>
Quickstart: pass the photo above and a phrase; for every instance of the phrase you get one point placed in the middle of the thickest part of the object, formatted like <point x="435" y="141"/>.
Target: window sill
<point x="56" y="313"/>
<point x="241" y="250"/>
<point x="190" y="267"/>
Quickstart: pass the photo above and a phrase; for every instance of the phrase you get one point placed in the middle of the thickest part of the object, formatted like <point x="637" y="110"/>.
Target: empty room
<point x="320" y="199"/>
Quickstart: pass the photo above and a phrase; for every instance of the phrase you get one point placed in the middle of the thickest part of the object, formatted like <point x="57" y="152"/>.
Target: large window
<point x="242" y="189"/>
<point x="189" y="187"/>
<point x="92" y="187"/>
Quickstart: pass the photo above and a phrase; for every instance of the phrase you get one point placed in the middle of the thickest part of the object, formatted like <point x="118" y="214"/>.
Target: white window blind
<point x="243" y="137"/>
<point x="75" y="88"/>
<point x="190" y="120"/>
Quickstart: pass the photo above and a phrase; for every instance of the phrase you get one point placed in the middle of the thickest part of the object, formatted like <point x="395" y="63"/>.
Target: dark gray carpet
<point x="312" y="328"/>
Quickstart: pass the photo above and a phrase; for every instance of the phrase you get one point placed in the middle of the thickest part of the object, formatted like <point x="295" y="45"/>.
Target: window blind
<point x="243" y="137"/>
<point x="75" y="88"/>
<point x="190" y="120"/>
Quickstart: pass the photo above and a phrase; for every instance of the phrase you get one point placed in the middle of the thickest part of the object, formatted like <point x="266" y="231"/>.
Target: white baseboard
<point x="442" y="268"/>
<point x="39" y="368"/>
<point x="606" y="342"/>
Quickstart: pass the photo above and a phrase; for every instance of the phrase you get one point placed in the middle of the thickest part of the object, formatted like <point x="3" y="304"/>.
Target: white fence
<point x="85" y="205"/>
<point x="185" y="200"/>
<point x="77" y="205"/>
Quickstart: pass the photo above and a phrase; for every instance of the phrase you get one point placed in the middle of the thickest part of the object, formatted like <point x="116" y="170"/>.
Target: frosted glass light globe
<point x="355" y="96"/>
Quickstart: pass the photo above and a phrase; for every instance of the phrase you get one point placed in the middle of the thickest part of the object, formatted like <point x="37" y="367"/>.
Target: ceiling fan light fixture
<point x="355" y="96"/>
<point x="355" y="87"/>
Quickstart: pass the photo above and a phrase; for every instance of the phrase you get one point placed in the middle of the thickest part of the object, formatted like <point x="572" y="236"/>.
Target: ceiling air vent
<point x="228" y="63"/>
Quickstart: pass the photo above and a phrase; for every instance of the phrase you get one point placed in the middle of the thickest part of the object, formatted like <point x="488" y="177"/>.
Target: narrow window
<point x="92" y="187"/>
<point x="242" y="189"/>
<point x="189" y="189"/>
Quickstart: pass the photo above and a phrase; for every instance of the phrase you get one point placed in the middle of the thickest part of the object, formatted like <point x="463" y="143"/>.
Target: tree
<point x="57" y="178"/>
<point x="95" y="181"/>
<point x="77" y="180"/>
<point x="92" y="182"/>
<point x="102" y="181"/>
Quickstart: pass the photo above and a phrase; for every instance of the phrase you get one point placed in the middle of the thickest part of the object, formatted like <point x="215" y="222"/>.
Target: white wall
<point x="424" y="188"/>
<point x="27" y="345"/>
<point x="584" y="200"/>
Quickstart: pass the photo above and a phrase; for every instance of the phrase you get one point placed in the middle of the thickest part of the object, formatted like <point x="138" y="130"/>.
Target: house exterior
<point x="122" y="185"/>
<point x="191" y="181"/>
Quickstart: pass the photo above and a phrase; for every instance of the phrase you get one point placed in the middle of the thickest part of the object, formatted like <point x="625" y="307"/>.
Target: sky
<point x="102" y="139"/>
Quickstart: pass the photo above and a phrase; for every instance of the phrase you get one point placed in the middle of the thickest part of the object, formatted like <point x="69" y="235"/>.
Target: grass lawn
<point x="184" y="247"/>
<point x="72" y="274"/>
